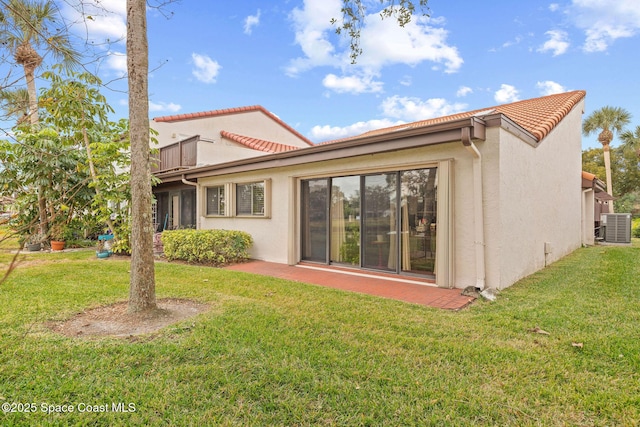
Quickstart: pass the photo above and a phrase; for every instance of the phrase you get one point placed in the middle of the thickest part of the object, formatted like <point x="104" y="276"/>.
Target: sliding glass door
<point x="384" y="221"/>
<point x="418" y="220"/>
<point x="379" y="222"/>
<point x="345" y="220"/>
<point x="315" y="208"/>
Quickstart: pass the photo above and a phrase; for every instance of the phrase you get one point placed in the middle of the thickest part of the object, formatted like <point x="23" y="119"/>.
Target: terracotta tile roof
<point x="538" y="116"/>
<point x="214" y="113"/>
<point x="590" y="180"/>
<point x="258" y="144"/>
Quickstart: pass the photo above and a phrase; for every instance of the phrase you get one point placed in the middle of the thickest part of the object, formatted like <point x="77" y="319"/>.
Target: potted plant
<point x="57" y="237"/>
<point x="34" y="242"/>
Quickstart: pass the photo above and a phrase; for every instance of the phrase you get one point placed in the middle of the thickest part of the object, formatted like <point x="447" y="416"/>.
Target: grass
<point x="275" y="352"/>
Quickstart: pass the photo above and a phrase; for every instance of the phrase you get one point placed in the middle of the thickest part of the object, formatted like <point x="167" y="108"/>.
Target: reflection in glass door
<point x="345" y="220"/>
<point x="418" y="211"/>
<point x="315" y="207"/>
<point x="384" y="221"/>
<point x="379" y="222"/>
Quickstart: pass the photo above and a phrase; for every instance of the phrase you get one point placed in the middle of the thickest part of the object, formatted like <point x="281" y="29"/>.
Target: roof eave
<point x="402" y="139"/>
<point x="501" y="120"/>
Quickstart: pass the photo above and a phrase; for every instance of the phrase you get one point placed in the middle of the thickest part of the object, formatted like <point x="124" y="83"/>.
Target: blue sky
<point x="284" y="56"/>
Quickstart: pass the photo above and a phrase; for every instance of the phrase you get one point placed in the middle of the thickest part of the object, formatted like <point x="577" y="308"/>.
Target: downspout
<point x="478" y="213"/>
<point x="191" y="183"/>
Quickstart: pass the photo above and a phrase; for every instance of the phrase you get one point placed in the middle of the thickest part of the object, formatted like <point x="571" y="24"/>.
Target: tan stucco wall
<point x="540" y="202"/>
<point x="221" y="150"/>
<point x="249" y="123"/>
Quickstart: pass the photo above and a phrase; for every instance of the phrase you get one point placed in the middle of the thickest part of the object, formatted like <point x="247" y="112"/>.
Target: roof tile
<point x="257" y="144"/>
<point x="538" y="116"/>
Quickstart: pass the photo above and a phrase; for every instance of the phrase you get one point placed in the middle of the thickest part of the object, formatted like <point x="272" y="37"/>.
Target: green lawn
<point x="275" y="352"/>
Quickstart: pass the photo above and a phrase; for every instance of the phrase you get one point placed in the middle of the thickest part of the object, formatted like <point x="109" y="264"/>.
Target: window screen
<point x="215" y="200"/>
<point x="250" y="199"/>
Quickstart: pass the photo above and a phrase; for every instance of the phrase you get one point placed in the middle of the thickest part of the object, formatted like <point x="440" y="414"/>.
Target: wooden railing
<point x="180" y="155"/>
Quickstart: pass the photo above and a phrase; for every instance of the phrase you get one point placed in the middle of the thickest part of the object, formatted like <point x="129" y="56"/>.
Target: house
<point x="595" y="202"/>
<point x="193" y="140"/>
<point x="481" y="198"/>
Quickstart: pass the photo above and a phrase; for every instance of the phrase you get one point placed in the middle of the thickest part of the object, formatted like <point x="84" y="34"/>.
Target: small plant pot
<point x="57" y="245"/>
<point x="103" y="254"/>
<point x="34" y="247"/>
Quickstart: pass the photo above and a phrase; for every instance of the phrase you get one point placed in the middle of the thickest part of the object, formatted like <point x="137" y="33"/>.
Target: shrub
<point x="207" y="246"/>
<point x="122" y="246"/>
<point x="636" y="227"/>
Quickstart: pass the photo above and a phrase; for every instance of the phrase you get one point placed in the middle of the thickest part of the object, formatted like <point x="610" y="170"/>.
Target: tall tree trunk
<point x="607" y="168"/>
<point x="34" y="119"/>
<point x="29" y="73"/>
<point x="142" y="289"/>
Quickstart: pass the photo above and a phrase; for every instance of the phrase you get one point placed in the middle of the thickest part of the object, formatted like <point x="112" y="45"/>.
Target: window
<point x="215" y="200"/>
<point x="250" y="199"/>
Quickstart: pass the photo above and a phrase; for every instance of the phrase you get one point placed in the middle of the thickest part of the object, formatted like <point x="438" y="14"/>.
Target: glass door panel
<point x="345" y="220"/>
<point x="418" y="220"/>
<point x="315" y="208"/>
<point x="175" y="211"/>
<point x="188" y="208"/>
<point x="379" y="222"/>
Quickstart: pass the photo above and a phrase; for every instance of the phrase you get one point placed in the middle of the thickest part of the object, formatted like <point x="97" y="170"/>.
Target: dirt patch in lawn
<point x="115" y="321"/>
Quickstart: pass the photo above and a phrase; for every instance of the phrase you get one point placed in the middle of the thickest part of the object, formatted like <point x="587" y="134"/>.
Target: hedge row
<point x="207" y="246"/>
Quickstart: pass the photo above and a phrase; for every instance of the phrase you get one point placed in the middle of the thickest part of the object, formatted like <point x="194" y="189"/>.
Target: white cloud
<point x="549" y="87"/>
<point x="352" y="84"/>
<point x="398" y="110"/>
<point x="328" y="133"/>
<point x="463" y="91"/>
<point x="554" y="6"/>
<point x="383" y="41"/>
<point x="164" y="106"/>
<point x="599" y="38"/>
<point x="250" y="22"/>
<point x="557" y="42"/>
<point x="312" y="26"/>
<point x="414" y="109"/>
<point x="117" y="61"/>
<point x="406" y="81"/>
<point x="604" y="21"/>
<point x="507" y="93"/>
<point x="206" y="69"/>
<point x="98" y="20"/>
<point x="513" y="42"/>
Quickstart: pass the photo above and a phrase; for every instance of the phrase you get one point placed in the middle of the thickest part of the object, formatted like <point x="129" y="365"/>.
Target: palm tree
<point x="606" y="120"/>
<point x="631" y="140"/>
<point x="15" y="104"/>
<point x="25" y="29"/>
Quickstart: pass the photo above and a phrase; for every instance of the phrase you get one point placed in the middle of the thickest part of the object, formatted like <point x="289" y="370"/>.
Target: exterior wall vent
<point x="617" y="227"/>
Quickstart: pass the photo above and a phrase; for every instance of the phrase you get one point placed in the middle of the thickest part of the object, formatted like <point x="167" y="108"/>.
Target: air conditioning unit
<point x="617" y="227"/>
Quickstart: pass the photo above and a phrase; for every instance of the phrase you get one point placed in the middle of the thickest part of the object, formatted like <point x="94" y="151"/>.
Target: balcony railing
<point x="181" y="155"/>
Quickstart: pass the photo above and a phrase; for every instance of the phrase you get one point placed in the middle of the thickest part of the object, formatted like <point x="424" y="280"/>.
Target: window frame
<point x="266" y="196"/>
<point x="225" y="201"/>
